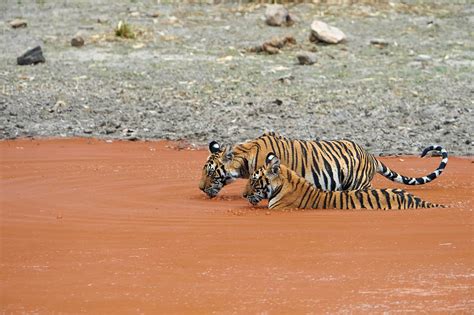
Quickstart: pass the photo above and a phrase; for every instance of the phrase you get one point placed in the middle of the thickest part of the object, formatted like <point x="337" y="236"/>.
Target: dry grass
<point x="124" y="30"/>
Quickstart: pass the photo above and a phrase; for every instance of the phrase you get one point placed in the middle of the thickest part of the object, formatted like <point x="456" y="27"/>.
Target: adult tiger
<point x="329" y="165"/>
<point x="286" y="189"/>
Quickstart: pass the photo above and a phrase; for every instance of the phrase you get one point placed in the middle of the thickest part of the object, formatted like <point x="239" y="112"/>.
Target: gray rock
<point x="77" y="41"/>
<point x="31" y="57"/>
<point x="278" y="15"/>
<point x="306" y="58"/>
<point x="103" y="19"/>
<point x="17" y="23"/>
<point x="323" y="32"/>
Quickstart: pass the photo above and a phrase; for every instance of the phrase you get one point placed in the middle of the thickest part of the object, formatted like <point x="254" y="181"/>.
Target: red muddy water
<point x="96" y="227"/>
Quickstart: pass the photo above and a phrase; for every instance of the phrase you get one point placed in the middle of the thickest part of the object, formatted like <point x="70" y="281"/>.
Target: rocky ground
<point x="188" y="74"/>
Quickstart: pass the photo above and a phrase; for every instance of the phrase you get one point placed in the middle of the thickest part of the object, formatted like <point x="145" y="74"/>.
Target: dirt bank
<point x="188" y="75"/>
<point x="95" y="227"/>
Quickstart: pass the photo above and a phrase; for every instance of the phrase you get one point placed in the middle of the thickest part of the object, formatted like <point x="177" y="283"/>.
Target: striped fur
<point x="286" y="189"/>
<point x="328" y="165"/>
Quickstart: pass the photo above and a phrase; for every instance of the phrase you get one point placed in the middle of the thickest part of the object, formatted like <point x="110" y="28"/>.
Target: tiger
<point x="286" y="189"/>
<point x="328" y="165"/>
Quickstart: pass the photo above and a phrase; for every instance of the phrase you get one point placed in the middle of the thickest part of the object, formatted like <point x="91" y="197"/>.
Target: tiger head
<point x="214" y="173"/>
<point x="263" y="181"/>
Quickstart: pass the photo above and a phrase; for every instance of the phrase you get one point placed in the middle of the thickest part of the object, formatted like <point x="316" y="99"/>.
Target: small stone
<point x="102" y="19"/>
<point x="323" y="32"/>
<point x="286" y="79"/>
<point x="306" y="58"/>
<point x="17" y="23"/>
<point x="86" y="27"/>
<point x="270" y="49"/>
<point x="87" y="131"/>
<point x="154" y="14"/>
<point x="173" y="20"/>
<point x="59" y="107"/>
<point x="378" y="42"/>
<point x="77" y="41"/>
<point x="31" y="57"/>
<point x="278" y="15"/>
<point x="423" y="58"/>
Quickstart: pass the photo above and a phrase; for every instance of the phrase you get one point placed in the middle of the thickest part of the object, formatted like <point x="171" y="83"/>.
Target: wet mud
<point x="95" y="227"/>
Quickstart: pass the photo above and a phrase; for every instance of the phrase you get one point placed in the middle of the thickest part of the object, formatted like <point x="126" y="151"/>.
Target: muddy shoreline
<point x="121" y="227"/>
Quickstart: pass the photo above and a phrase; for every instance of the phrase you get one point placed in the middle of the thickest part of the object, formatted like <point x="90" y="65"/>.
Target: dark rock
<point x="31" y="57"/>
<point x="77" y="41"/>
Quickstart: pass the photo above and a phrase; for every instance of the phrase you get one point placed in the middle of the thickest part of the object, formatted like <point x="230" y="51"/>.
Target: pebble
<point x="59" y="107"/>
<point x="77" y="41"/>
<point x="154" y="14"/>
<point x="323" y="32"/>
<point x="423" y="58"/>
<point x="306" y="58"/>
<point x="278" y="15"/>
<point x="17" y="23"/>
<point x="378" y="42"/>
<point x="103" y="19"/>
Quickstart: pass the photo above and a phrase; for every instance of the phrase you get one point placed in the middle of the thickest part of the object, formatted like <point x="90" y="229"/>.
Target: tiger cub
<point x="286" y="189"/>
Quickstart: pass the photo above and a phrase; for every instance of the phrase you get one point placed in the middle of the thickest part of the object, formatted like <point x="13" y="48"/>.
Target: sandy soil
<point x="95" y="227"/>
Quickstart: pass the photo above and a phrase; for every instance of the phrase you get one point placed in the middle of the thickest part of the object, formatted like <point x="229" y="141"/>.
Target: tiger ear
<point x="228" y="155"/>
<point x="273" y="164"/>
<point x="269" y="158"/>
<point x="214" y="147"/>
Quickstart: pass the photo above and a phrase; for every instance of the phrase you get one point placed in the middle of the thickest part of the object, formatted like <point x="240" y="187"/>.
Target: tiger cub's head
<point x="263" y="181"/>
<point x="214" y="173"/>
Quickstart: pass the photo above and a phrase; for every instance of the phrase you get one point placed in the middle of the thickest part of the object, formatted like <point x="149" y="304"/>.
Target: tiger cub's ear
<point x="269" y="158"/>
<point x="214" y="147"/>
<point x="228" y="155"/>
<point x="273" y="164"/>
